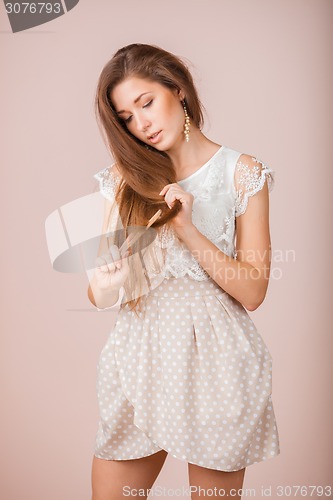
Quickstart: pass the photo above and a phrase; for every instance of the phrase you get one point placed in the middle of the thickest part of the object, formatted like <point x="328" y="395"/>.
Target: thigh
<point x="110" y="477"/>
<point x="214" y="480"/>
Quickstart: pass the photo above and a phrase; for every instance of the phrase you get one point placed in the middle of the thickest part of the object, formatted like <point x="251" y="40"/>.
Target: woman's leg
<point x="214" y="480"/>
<point x="109" y="477"/>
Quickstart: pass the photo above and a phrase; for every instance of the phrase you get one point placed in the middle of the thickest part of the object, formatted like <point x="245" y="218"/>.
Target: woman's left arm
<point x="246" y="279"/>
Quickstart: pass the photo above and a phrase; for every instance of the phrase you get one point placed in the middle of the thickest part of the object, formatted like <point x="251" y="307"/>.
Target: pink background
<point x="264" y="73"/>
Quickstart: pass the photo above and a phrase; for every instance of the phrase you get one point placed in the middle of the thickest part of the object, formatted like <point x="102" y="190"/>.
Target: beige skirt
<point x="192" y="376"/>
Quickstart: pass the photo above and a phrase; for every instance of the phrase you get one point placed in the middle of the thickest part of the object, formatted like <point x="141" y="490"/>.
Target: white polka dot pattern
<point x="192" y="376"/>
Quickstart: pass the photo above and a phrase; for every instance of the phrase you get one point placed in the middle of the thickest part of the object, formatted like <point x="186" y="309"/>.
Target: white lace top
<point x="221" y="189"/>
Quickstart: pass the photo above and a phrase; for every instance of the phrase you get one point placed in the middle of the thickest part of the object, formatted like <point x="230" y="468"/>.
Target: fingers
<point x="101" y="263"/>
<point x="114" y="252"/>
<point x="167" y="191"/>
<point x="109" y="261"/>
<point x="164" y="189"/>
<point x="174" y="192"/>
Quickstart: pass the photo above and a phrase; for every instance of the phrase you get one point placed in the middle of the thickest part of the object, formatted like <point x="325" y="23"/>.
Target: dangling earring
<point x="187" y="123"/>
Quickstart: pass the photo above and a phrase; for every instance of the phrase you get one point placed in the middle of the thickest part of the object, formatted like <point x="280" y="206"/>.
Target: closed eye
<point x="145" y="106"/>
<point x="148" y="104"/>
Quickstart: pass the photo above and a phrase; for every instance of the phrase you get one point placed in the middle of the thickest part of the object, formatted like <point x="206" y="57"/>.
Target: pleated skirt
<point x="191" y="375"/>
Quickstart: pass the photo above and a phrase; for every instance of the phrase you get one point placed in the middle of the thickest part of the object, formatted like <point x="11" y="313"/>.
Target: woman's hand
<point x="111" y="270"/>
<point x="183" y="220"/>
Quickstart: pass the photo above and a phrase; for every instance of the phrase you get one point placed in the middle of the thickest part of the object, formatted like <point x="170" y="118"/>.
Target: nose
<point x="142" y="124"/>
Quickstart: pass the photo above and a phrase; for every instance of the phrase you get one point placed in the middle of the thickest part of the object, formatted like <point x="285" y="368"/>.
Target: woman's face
<point x="159" y="109"/>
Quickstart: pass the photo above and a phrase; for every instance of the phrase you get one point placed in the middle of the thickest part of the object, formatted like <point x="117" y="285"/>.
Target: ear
<point x="180" y="94"/>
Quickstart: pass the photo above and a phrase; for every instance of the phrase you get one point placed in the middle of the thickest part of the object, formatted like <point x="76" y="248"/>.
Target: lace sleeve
<point x="108" y="182"/>
<point x="250" y="176"/>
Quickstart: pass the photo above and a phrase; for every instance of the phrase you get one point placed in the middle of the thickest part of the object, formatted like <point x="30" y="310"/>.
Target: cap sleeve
<point x="249" y="178"/>
<point x="108" y="182"/>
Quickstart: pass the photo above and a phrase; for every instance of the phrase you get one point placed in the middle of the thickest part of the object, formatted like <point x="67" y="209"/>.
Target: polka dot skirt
<point x="191" y="376"/>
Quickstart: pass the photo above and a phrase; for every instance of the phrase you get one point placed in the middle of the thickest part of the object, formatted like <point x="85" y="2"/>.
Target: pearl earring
<point x="187" y="123"/>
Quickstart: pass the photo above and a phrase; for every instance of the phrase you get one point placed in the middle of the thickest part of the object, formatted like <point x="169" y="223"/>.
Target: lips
<point x="151" y="136"/>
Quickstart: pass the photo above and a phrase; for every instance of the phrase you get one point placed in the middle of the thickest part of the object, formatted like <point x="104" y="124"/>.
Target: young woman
<point x="184" y="370"/>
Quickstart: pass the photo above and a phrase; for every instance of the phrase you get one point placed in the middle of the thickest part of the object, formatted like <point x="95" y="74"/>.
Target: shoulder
<point x="109" y="178"/>
<point x="249" y="163"/>
<point x="251" y="173"/>
<point x="251" y="176"/>
<point x="114" y="170"/>
<point x="108" y="172"/>
<point x="246" y="158"/>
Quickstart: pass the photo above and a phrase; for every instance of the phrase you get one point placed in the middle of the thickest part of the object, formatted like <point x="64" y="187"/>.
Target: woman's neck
<point x="187" y="157"/>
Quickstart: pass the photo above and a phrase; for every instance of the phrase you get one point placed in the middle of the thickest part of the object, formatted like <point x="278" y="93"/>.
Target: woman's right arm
<point x="112" y="268"/>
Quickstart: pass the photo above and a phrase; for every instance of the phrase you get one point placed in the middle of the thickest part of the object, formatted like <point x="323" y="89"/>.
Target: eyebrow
<point x="135" y="101"/>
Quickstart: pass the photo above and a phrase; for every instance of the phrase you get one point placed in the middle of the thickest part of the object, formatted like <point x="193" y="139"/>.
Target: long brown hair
<point x="144" y="170"/>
